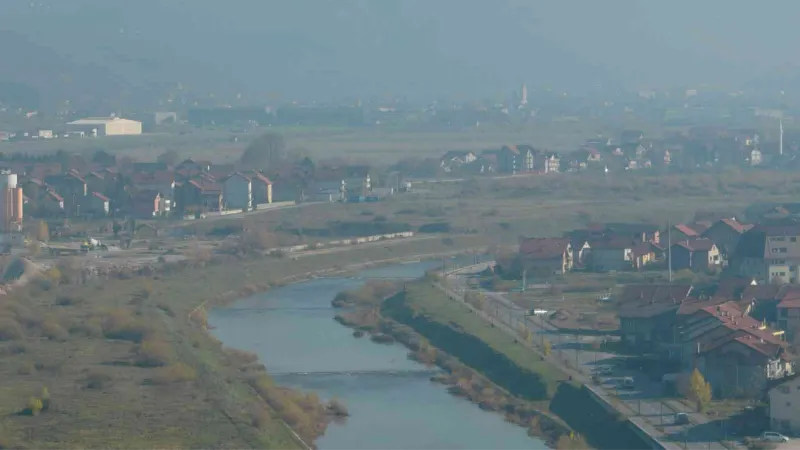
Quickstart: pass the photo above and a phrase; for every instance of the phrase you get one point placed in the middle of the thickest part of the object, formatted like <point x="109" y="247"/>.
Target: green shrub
<point x="175" y="373"/>
<point x="10" y="330"/>
<point x="151" y="353"/>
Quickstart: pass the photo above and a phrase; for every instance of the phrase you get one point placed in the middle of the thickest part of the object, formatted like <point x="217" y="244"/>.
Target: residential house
<point x="72" y="187"/>
<point x="684" y="231"/>
<point x="529" y="156"/>
<point x="53" y="204"/>
<point x="643" y="254"/>
<point x="262" y="188"/>
<point x="611" y="254"/>
<point x="161" y="181"/>
<point x="146" y="204"/>
<point x="768" y="253"/>
<point x="647" y="313"/>
<point x="190" y="168"/>
<point x="737" y="354"/>
<point x="509" y="160"/>
<point x="639" y="232"/>
<point x="546" y="255"/>
<point x="697" y="254"/>
<point x="99" y="204"/>
<point x="788" y="313"/>
<point x="726" y="234"/>
<point x="456" y="158"/>
<point x="198" y="196"/>
<point x="552" y="162"/>
<point x="784" y="406"/>
<point x="237" y="192"/>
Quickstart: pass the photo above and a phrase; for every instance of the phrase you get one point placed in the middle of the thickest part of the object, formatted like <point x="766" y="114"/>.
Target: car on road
<point x="772" y="436"/>
<point x="604" y="370"/>
<point x="628" y="383"/>
<point x="681" y="419"/>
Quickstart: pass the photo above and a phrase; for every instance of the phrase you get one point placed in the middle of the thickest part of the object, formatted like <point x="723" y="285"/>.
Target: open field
<point x="379" y="145"/>
<point x="126" y="367"/>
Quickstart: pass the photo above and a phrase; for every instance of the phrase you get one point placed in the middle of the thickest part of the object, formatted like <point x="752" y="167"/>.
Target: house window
<point x="784" y="312"/>
<point x="793" y="239"/>
<point x="779" y="239"/>
<point x="783" y="274"/>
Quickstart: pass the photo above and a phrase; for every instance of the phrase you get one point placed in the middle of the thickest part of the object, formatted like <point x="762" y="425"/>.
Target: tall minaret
<point x="524" y="100"/>
<point x="780" y="144"/>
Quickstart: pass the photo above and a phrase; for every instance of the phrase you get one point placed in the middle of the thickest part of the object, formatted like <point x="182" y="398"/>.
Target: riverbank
<point x="125" y="368"/>
<point x="523" y="386"/>
<point x="497" y="384"/>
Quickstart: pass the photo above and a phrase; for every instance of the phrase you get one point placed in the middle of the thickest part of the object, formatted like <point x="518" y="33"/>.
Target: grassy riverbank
<point x="126" y="367"/>
<point x="485" y="365"/>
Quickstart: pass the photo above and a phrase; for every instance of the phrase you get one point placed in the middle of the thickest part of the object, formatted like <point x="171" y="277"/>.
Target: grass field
<point x="374" y="144"/>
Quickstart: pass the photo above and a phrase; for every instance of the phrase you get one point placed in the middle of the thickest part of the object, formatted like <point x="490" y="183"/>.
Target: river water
<point x="392" y="402"/>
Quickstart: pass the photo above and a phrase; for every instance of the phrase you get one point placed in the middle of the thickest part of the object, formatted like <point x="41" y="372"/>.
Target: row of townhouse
<point x="631" y="246"/>
<point x="509" y="159"/>
<point x="737" y="353"/>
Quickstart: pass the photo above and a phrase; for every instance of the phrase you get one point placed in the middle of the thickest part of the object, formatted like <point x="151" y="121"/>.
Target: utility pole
<point x="669" y="250"/>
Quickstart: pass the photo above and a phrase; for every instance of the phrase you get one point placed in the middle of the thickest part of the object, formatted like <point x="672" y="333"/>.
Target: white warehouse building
<point x="106" y="126"/>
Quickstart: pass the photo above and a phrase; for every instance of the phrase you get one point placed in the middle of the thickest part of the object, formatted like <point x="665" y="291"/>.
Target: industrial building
<point x="106" y="126"/>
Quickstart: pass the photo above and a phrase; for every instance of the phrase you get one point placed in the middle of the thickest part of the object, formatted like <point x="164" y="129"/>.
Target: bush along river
<point x="390" y="398"/>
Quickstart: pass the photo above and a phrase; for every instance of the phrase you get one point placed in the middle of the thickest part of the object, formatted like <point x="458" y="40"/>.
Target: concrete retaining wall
<point x="343" y="242"/>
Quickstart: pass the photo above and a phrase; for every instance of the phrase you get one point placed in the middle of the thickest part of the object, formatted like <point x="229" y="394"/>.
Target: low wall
<point x="342" y="242"/>
<point x="263" y="206"/>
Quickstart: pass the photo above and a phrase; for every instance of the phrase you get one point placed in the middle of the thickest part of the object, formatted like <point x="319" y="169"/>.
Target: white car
<point x="604" y="370"/>
<point x="772" y="436"/>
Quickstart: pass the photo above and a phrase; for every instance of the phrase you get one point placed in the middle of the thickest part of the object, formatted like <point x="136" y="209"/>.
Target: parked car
<point x="628" y="383"/>
<point x="681" y="419"/>
<point x="772" y="436"/>
<point x="604" y="370"/>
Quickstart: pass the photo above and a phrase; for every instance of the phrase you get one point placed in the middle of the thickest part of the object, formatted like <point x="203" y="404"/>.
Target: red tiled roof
<point x="790" y="298"/>
<point x="744" y="329"/>
<point x="100" y="196"/>
<point x="649" y="300"/>
<point x="55" y="196"/>
<point x="512" y="148"/>
<point x="685" y="229"/>
<point x="160" y="177"/>
<point x="697" y="244"/>
<point x="612" y="242"/>
<point x="544" y="248"/>
<point x="736" y="226"/>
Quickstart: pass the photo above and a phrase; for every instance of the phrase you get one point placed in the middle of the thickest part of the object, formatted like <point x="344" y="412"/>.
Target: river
<point x="392" y="402"/>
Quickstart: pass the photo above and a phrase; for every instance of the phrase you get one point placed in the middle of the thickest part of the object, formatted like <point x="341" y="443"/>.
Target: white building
<point x="784" y="407"/>
<point x="106" y="126"/>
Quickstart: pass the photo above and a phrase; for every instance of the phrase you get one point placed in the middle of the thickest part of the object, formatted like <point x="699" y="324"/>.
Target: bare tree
<point x="267" y="150"/>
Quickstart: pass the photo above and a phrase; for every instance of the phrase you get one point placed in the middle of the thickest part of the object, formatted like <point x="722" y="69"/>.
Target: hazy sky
<point x="332" y="49"/>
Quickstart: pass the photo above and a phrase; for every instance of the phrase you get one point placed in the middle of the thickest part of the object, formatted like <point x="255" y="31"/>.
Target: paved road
<point x="575" y="351"/>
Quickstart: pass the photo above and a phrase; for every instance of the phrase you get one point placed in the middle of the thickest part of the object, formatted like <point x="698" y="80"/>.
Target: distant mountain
<point x="129" y="56"/>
